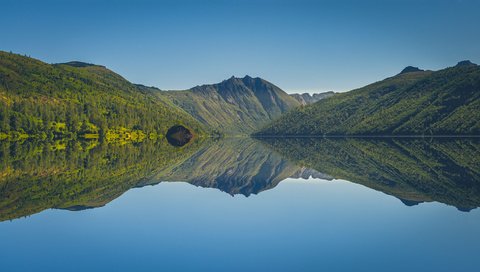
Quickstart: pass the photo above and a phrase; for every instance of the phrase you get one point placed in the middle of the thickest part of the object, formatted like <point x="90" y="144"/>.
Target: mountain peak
<point x="465" y="63"/>
<point x="234" y="78"/>
<point x="247" y="80"/>
<point x="410" y="69"/>
<point x="237" y="104"/>
<point x="250" y="81"/>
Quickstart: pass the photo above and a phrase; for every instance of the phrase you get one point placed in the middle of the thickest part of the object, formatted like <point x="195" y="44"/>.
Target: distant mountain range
<point x="82" y="99"/>
<point x="414" y="102"/>
<point x="307" y="99"/>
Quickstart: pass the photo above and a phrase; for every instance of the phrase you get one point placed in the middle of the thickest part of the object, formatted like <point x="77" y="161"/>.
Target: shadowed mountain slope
<point x="235" y="105"/>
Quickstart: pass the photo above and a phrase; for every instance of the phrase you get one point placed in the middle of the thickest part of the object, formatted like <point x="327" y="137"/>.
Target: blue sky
<point x="297" y="45"/>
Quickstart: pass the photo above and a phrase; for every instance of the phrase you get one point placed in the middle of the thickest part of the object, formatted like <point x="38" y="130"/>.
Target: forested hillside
<point x="414" y="102"/>
<point x="75" y="99"/>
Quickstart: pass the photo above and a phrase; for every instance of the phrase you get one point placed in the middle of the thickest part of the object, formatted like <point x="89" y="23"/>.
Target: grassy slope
<point x="417" y="103"/>
<point x="66" y="99"/>
<point x="236" y="105"/>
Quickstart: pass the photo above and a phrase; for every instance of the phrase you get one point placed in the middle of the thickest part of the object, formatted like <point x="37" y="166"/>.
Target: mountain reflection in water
<point x="81" y="175"/>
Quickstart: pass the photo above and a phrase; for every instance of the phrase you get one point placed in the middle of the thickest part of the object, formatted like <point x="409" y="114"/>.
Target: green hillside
<point x="236" y="105"/>
<point x="76" y="99"/>
<point x="413" y="102"/>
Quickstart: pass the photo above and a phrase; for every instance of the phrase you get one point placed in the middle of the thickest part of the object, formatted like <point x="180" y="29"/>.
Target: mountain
<point x="76" y="99"/>
<point x="306" y="98"/>
<point x="414" y="102"/>
<point x="410" y="69"/>
<point x="415" y="170"/>
<point x="235" y="105"/>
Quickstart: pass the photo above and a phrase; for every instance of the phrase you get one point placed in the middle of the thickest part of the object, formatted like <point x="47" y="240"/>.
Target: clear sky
<point x="297" y="45"/>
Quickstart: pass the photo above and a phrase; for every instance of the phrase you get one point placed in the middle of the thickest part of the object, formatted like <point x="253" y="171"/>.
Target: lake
<point x="241" y="204"/>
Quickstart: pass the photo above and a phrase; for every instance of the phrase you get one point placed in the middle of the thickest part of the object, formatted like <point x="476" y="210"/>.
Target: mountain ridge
<point x="235" y="105"/>
<point x="444" y="102"/>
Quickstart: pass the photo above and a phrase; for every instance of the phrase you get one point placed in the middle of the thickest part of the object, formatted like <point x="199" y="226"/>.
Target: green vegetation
<point x="413" y="170"/>
<point x="446" y="102"/>
<point x="236" y="105"/>
<point x="79" y="100"/>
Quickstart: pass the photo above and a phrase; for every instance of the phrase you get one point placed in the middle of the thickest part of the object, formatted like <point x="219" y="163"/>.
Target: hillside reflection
<point x="81" y="175"/>
<point x="415" y="170"/>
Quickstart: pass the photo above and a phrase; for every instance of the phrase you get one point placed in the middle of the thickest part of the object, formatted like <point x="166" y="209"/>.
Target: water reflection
<point x="414" y="170"/>
<point x="81" y="175"/>
<point x="235" y="166"/>
<point x="77" y="175"/>
<point x="178" y="135"/>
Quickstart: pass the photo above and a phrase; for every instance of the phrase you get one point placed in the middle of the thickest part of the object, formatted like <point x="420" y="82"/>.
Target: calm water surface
<point x="242" y="205"/>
